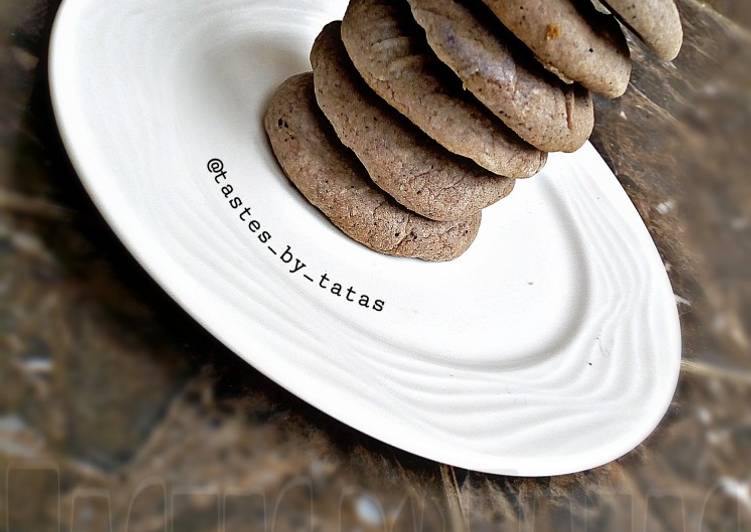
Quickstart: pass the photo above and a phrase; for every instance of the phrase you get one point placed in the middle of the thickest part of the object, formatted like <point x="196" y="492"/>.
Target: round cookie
<point x="656" y="22"/>
<point x="332" y="179"/>
<point x="537" y="106"/>
<point x="389" y="50"/>
<point x="572" y="39"/>
<point x="402" y="160"/>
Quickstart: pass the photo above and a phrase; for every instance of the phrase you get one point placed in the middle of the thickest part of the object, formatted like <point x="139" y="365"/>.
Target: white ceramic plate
<point x="551" y="346"/>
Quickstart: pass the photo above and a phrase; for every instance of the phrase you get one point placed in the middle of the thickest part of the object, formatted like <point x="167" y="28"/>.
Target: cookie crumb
<point x="552" y="31"/>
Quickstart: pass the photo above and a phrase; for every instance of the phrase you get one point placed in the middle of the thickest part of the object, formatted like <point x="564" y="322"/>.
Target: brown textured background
<point x="117" y="412"/>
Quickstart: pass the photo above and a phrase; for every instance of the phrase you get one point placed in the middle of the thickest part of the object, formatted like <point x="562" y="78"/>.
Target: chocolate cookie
<point x="541" y="109"/>
<point x="402" y="161"/>
<point x="572" y="39"/>
<point x="656" y="22"/>
<point x="389" y="50"/>
<point x="332" y="179"/>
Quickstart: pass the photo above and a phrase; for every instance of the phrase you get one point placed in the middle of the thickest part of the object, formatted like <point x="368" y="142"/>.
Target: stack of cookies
<point x="420" y="113"/>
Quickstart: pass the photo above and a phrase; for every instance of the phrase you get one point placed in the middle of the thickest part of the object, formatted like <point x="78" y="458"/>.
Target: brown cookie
<point x="402" y="160"/>
<point x="332" y="179"/>
<point x="492" y="65"/>
<point x="389" y="50"/>
<point x="572" y="39"/>
<point x="656" y="22"/>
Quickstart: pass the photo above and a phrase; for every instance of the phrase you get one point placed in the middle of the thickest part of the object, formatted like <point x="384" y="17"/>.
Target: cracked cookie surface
<point x="389" y="51"/>
<point x="331" y="178"/>
<point x="572" y="39"/>
<point x="545" y="112"/>
<point x="402" y="160"/>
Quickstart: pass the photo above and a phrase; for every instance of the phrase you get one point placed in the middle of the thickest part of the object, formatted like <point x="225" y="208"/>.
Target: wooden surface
<point x="117" y="410"/>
